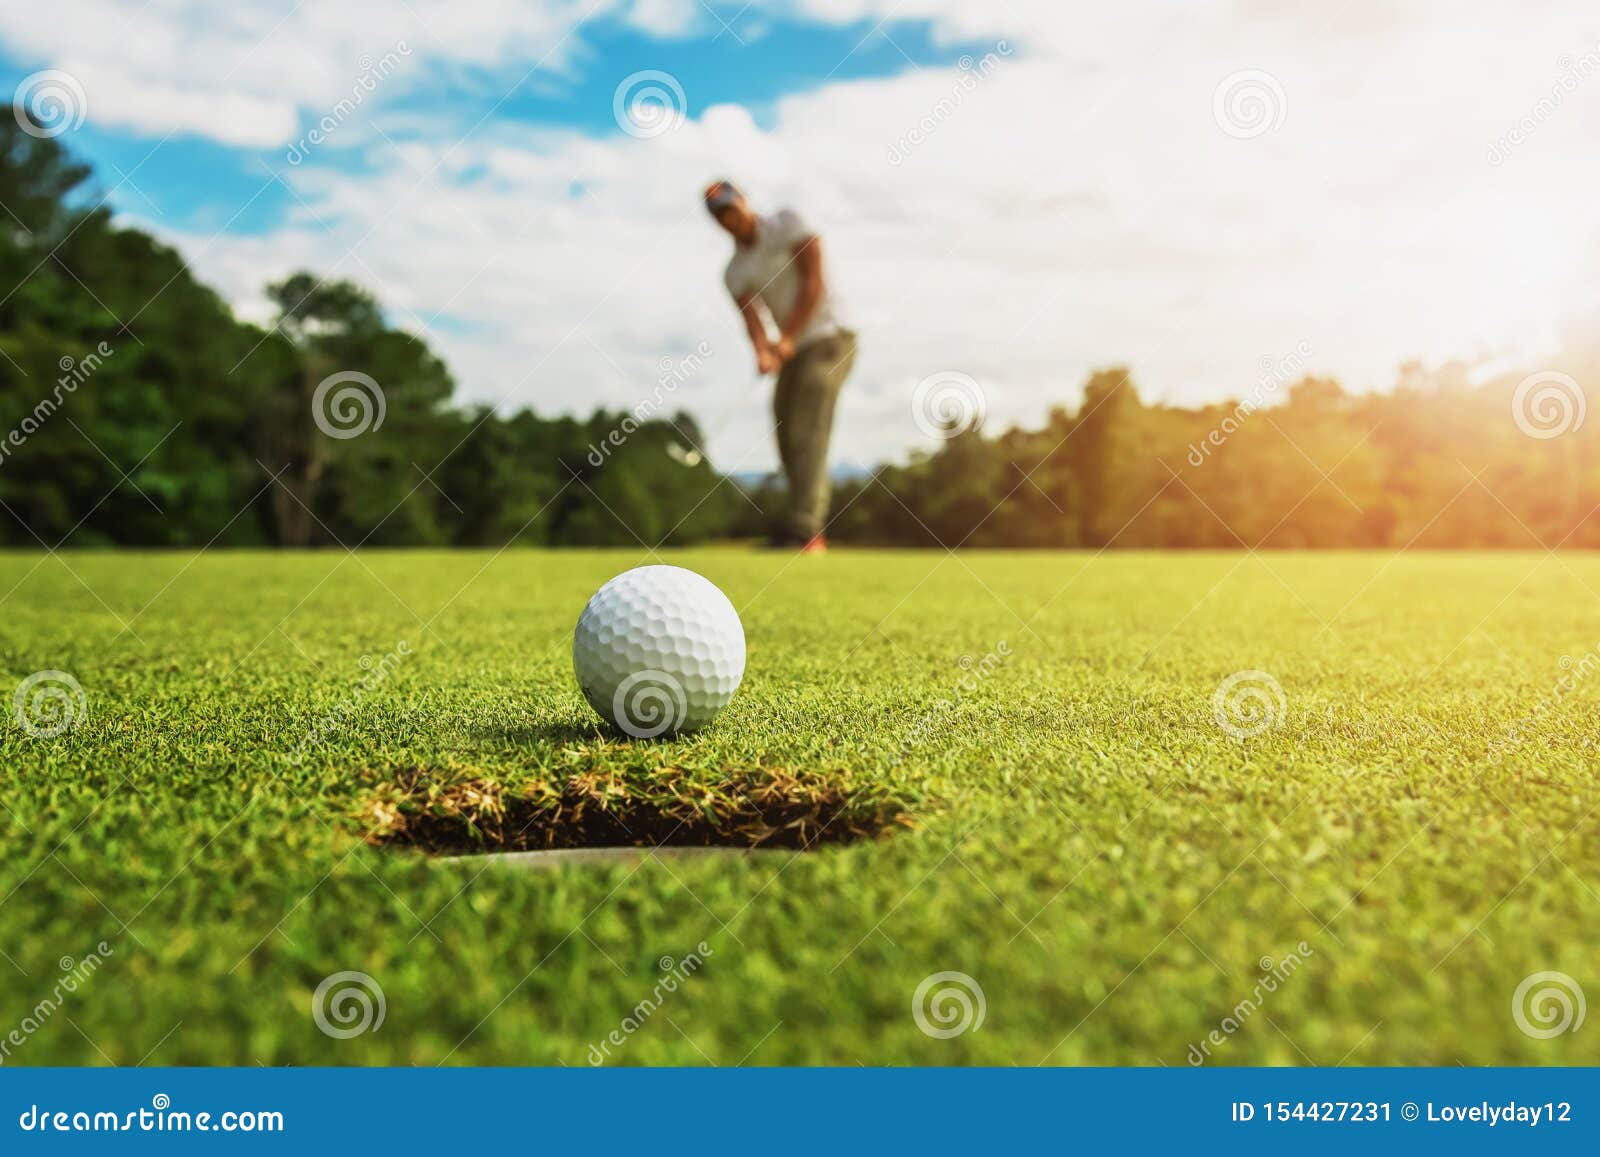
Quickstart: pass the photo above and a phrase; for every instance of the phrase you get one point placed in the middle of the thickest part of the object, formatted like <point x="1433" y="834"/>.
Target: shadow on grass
<point x="556" y="732"/>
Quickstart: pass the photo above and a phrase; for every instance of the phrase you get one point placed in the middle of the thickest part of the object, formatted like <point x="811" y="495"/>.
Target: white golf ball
<point x="658" y="650"/>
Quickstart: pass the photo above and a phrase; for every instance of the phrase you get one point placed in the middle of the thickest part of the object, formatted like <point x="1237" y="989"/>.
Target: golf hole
<point x="593" y="857"/>
<point x="665" y="809"/>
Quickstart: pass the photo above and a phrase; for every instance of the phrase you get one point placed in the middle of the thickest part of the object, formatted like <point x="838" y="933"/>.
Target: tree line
<point x="1436" y="462"/>
<point x="136" y="409"/>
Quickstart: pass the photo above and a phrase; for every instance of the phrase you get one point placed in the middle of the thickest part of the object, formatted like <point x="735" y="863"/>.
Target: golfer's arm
<point x="755" y="325"/>
<point x="808" y="256"/>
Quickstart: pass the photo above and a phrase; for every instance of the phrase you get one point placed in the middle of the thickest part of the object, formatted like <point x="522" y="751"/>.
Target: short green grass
<point x="1104" y="861"/>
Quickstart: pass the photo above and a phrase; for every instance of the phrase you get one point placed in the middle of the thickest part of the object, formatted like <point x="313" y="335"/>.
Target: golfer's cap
<point x="721" y="194"/>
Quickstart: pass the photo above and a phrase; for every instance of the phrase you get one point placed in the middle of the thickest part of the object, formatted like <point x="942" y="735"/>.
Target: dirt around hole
<point x="444" y="814"/>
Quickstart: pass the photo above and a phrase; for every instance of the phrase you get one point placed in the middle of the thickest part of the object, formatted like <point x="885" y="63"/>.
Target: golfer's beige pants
<point x="808" y="387"/>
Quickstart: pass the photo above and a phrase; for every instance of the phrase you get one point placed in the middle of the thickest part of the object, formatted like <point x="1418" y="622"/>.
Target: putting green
<point x="1392" y="823"/>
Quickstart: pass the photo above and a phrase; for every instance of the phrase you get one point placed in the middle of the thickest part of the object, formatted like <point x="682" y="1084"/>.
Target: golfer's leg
<point x="822" y="370"/>
<point x="783" y="395"/>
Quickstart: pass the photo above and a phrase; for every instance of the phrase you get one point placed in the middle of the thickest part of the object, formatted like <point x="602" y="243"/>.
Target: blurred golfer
<point x="775" y="275"/>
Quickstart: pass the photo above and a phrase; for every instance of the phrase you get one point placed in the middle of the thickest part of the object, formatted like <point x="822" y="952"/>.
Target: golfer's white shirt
<point x="768" y="270"/>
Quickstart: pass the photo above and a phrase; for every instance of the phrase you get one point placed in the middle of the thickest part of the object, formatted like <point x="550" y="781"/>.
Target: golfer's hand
<point x="767" y="360"/>
<point x="785" y="348"/>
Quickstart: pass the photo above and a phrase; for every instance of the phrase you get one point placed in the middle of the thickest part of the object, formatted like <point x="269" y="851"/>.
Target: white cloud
<point x="1077" y="207"/>
<point x="248" y="74"/>
<point x="666" y="17"/>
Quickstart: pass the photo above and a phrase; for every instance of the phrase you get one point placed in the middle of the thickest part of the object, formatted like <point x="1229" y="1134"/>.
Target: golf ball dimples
<point x="659" y="649"/>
